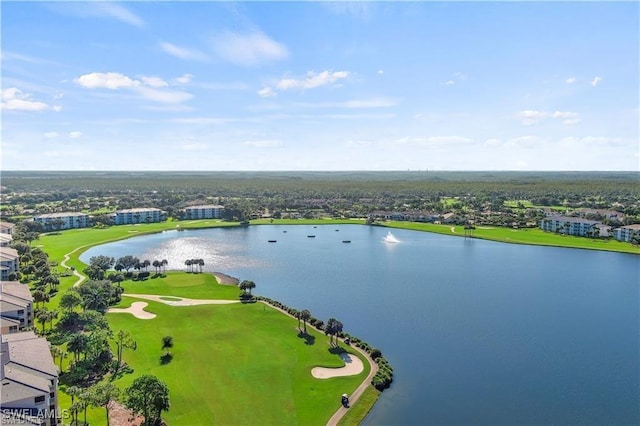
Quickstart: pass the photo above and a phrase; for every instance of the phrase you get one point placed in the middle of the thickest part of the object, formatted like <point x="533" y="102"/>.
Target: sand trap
<point x="136" y="309"/>
<point x="353" y="366"/>
<point x="180" y="301"/>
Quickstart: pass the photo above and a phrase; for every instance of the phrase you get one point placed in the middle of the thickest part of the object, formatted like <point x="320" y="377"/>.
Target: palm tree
<point x="333" y="328"/>
<point x="156" y="264"/>
<point x="200" y="264"/>
<point x="188" y="262"/>
<point x="77" y="344"/>
<point x="305" y="315"/>
<point x="164" y="263"/>
<point x="167" y="343"/>
<point x="74" y="391"/>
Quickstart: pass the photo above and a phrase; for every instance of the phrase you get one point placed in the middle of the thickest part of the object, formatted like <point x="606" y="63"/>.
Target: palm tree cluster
<point x="333" y="329"/>
<point x="193" y="263"/>
<point x="160" y="265"/>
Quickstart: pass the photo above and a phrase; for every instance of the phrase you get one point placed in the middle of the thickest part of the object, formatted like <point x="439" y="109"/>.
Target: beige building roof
<point x="27" y="368"/>
<point x="8" y="253"/>
<point x="15" y="289"/>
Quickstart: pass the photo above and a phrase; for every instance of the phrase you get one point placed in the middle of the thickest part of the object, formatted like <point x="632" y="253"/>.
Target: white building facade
<point x="203" y="212"/>
<point x="140" y="215"/>
<point x="60" y="221"/>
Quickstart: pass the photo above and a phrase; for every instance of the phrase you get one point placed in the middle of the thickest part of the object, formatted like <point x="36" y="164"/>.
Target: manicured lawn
<point x="235" y="364"/>
<point x="182" y="284"/>
<point x="521" y="236"/>
<point x="356" y="413"/>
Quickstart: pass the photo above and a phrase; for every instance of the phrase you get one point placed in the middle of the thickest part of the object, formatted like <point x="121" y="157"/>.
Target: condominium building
<point x="29" y="381"/>
<point x="5" y="240"/>
<point x="16" y="306"/>
<point x="9" y="262"/>
<point x="624" y="233"/>
<point x="140" y="215"/>
<point x="208" y="211"/>
<point x="6" y="228"/>
<point x="575" y="226"/>
<point x="60" y="221"/>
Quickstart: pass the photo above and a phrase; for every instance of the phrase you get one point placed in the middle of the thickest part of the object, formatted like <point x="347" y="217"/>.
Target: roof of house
<point x="8" y="322"/>
<point x="5" y="238"/>
<point x="138" y="210"/>
<point x="59" y="215"/>
<point x="8" y="253"/>
<point x="6" y="226"/>
<point x="26" y="367"/>
<point x="635" y="227"/>
<point x="205" y="206"/>
<point x="15" y="289"/>
<point x="571" y="219"/>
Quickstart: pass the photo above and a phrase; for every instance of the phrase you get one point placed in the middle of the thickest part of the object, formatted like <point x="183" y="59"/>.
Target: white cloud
<point x="492" y="142"/>
<point x="16" y="100"/>
<point x="449" y="82"/>
<point x="312" y="80"/>
<point x="595" y="81"/>
<point x="570" y="80"/>
<point x="460" y="76"/>
<point x="266" y="143"/>
<point x="201" y="120"/>
<point x="115" y="10"/>
<point x="57" y="108"/>
<point x="155" y="82"/>
<point x="75" y="134"/>
<point x="109" y="80"/>
<point x="183" y="52"/>
<point x="266" y="92"/>
<point x="152" y="91"/>
<point x="51" y="135"/>
<point x="184" y="79"/>
<point x="380" y="72"/>
<point x="248" y="49"/>
<point x="531" y="117"/>
<point x="567" y="117"/>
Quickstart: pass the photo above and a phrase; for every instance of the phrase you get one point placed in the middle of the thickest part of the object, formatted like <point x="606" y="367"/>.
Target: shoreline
<point x="225" y="279"/>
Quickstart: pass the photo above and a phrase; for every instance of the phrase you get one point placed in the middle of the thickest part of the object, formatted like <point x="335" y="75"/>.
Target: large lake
<point x="478" y="333"/>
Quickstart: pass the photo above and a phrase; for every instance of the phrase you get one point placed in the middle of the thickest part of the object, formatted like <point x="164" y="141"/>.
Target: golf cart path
<point x="359" y="390"/>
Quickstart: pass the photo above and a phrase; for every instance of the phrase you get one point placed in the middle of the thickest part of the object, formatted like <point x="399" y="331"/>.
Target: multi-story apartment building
<point x="5" y="240"/>
<point x="575" y="226"/>
<point x="16" y="306"/>
<point x="9" y="262"/>
<point x="208" y="211"/>
<point x="29" y="381"/>
<point x="6" y="228"/>
<point x="624" y="233"/>
<point x="60" y="221"/>
<point x="140" y="215"/>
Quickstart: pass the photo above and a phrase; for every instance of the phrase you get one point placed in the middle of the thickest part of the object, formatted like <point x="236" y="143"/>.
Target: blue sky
<point x="320" y="86"/>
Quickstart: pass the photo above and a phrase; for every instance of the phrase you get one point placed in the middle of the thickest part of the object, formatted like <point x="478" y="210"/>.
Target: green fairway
<point x="235" y="364"/>
<point x="182" y="284"/>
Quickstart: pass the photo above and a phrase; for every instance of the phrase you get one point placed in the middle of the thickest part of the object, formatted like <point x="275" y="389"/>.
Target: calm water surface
<point x="478" y="333"/>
